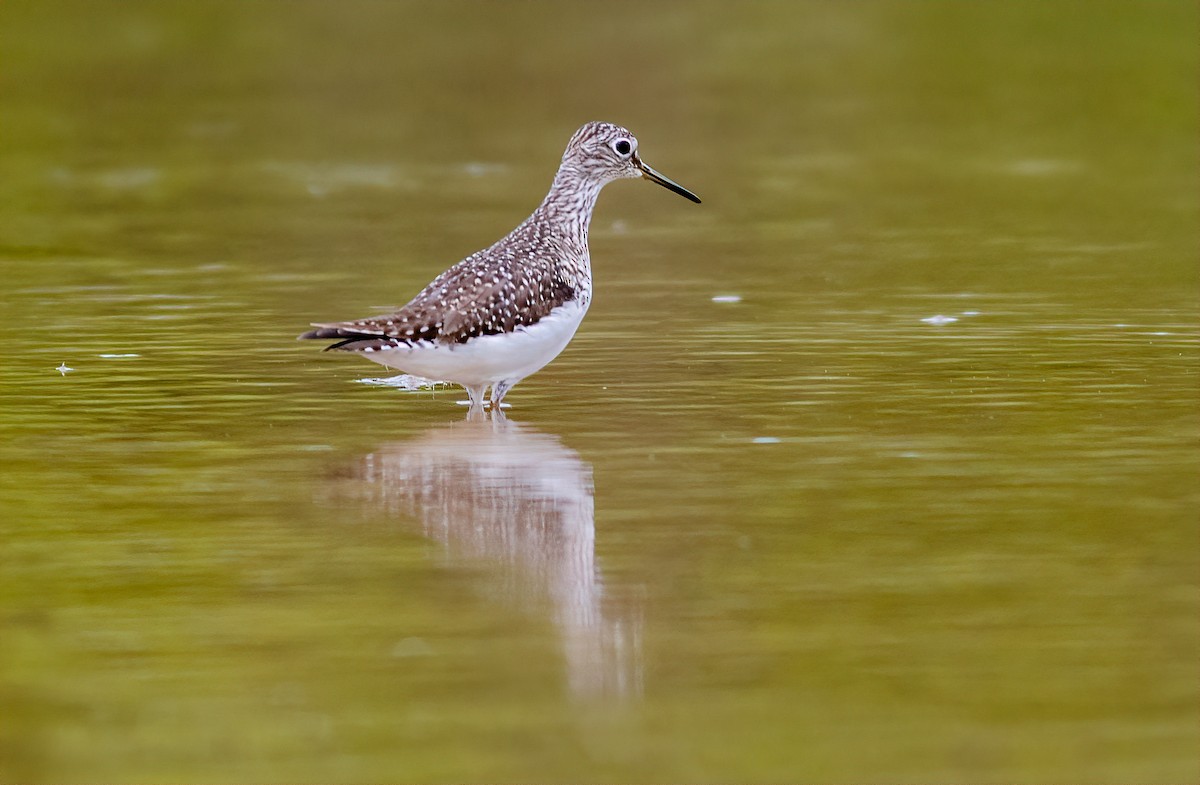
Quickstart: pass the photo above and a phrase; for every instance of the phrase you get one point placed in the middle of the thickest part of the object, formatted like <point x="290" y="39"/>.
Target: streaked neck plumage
<point x="567" y="208"/>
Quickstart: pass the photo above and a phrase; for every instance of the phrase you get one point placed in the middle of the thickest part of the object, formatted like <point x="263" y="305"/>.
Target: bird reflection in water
<point x="502" y="492"/>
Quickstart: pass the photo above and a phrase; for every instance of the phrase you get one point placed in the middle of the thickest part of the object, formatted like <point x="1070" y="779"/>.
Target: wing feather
<point x="474" y="297"/>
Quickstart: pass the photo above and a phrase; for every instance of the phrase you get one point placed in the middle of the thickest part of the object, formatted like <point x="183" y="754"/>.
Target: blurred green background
<point x="919" y="506"/>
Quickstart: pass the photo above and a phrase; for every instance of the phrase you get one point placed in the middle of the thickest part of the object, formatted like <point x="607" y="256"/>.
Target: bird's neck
<point x="567" y="209"/>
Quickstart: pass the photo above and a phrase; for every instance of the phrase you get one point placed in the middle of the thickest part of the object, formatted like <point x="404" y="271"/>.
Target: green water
<point x="816" y="534"/>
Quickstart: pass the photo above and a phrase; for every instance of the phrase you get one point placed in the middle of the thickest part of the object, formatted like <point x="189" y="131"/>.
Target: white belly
<point x="488" y="359"/>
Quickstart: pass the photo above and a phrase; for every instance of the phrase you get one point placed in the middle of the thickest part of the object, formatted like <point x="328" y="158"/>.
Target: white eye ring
<point x="622" y="147"/>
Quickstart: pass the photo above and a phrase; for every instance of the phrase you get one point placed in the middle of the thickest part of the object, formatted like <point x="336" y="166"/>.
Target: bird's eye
<point x="622" y="147"/>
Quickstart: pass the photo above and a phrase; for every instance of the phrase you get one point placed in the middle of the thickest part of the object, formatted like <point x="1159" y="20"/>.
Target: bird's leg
<point x="499" y="389"/>
<point x="475" y="393"/>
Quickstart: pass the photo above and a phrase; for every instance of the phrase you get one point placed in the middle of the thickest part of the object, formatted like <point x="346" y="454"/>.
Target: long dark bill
<point x="666" y="182"/>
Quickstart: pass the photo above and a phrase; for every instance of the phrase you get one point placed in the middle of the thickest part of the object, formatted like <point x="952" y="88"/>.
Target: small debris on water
<point x="727" y="298"/>
<point x="116" y="356"/>
<point x="63" y="369"/>
<point x="766" y="440"/>
<point x="970" y="313"/>
<point x="939" y="319"/>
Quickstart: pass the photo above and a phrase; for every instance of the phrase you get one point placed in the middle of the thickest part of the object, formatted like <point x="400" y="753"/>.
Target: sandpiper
<point x="504" y="312"/>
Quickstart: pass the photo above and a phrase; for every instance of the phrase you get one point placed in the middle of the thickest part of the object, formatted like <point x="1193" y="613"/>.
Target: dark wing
<point x="477" y="296"/>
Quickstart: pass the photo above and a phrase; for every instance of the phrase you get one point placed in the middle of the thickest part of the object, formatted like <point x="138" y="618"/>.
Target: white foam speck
<point x="63" y="369"/>
<point x="727" y="298"/>
<point x="939" y="319"/>
<point x="766" y="440"/>
<point x="116" y="356"/>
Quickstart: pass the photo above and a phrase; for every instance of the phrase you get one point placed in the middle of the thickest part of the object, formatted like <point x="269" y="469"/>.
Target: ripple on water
<point x="323" y="179"/>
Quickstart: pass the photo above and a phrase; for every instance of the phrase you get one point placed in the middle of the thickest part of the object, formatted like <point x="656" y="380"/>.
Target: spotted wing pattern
<point x="487" y="293"/>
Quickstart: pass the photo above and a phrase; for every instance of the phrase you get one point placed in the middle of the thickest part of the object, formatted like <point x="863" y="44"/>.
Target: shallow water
<point x="880" y="465"/>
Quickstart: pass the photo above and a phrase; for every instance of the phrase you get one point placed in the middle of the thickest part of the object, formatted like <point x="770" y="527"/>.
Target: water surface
<point x="880" y="465"/>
